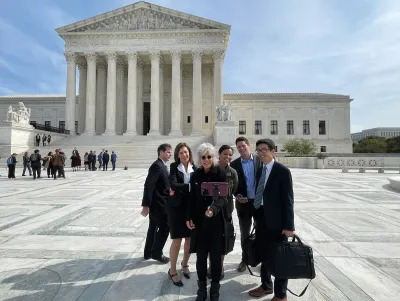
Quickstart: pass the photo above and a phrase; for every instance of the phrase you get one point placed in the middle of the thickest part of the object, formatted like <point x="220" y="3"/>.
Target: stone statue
<point x="224" y="112"/>
<point x="20" y="115"/>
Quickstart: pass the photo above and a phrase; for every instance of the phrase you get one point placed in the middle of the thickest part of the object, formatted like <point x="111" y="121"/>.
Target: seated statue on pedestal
<point x="224" y="112"/>
<point x="20" y="115"/>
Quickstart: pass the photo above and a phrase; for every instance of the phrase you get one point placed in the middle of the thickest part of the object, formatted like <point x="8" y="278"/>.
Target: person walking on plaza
<point x="26" y="160"/>
<point x="90" y="159"/>
<point x="274" y="214"/>
<point x="48" y="165"/>
<point x="78" y="160"/>
<point x="74" y="160"/>
<point x="155" y="196"/>
<point x="36" y="162"/>
<point x="177" y="206"/>
<point x="44" y="139"/>
<point x="100" y="159"/>
<point x="225" y="153"/>
<point x="38" y="139"/>
<point x="58" y="164"/>
<point x="48" y="139"/>
<point x="94" y="160"/>
<point x="106" y="158"/>
<point x="113" y="159"/>
<point x="246" y="166"/>
<point x="86" y="161"/>
<point x="11" y="162"/>
<point x="207" y="215"/>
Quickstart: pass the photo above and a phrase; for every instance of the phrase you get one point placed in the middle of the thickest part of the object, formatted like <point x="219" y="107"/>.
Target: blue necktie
<point x="260" y="189"/>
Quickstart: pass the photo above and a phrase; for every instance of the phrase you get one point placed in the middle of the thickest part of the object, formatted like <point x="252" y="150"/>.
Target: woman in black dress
<point x="207" y="217"/>
<point x="177" y="206"/>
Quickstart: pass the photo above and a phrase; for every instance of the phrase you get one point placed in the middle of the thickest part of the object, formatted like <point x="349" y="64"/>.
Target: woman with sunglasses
<point x="177" y="206"/>
<point x="225" y="153"/>
<point x="206" y="218"/>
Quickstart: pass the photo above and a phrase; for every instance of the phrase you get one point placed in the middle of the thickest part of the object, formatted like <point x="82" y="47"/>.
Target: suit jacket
<point x="156" y="187"/>
<point x="278" y="198"/>
<point x="176" y="180"/>
<point x="242" y="188"/>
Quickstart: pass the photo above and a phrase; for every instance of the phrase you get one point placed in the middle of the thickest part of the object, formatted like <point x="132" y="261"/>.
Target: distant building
<point x="378" y="132"/>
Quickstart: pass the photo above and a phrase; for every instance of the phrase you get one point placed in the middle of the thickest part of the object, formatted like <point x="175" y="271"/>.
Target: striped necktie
<point x="260" y="189"/>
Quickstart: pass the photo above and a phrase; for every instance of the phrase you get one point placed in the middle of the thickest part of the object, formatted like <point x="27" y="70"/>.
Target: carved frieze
<point x="143" y="19"/>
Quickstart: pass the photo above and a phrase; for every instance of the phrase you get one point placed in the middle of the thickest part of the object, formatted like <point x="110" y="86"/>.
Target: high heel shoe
<point x="186" y="275"/>
<point x="177" y="283"/>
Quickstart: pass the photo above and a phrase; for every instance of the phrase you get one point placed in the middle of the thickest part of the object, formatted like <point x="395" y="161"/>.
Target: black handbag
<point x="291" y="260"/>
<point x="230" y="236"/>
<point x="250" y="246"/>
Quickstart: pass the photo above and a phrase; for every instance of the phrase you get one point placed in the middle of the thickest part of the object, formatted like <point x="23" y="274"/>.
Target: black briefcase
<point x="250" y="246"/>
<point x="291" y="260"/>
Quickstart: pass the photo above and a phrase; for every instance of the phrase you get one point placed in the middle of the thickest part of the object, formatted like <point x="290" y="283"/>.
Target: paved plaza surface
<point x="82" y="239"/>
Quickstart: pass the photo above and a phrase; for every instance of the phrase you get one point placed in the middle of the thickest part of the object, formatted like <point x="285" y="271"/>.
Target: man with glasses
<point x="246" y="166"/>
<point x="155" y="196"/>
<point x="274" y="214"/>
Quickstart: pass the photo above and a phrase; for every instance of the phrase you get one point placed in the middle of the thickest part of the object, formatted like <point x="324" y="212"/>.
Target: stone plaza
<point x="82" y="239"/>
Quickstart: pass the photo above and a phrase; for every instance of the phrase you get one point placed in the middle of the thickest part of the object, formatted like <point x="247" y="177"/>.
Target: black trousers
<point x="59" y="170"/>
<point x="157" y="234"/>
<point x="11" y="171"/>
<point x="36" y="169"/>
<point x="264" y="239"/>
<point x="105" y="165"/>
<point x="93" y="165"/>
<point x="245" y="214"/>
<point x="210" y="240"/>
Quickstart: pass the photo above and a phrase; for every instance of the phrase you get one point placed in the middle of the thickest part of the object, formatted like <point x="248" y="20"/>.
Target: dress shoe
<point x="177" y="283"/>
<point x="279" y="299"/>
<point x="241" y="267"/>
<point x="259" y="292"/>
<point x="162" y="259"/>
<point x="185" y="271"/>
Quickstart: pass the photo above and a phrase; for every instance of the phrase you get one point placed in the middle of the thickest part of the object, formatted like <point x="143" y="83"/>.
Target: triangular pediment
<point x="142" y="16"/>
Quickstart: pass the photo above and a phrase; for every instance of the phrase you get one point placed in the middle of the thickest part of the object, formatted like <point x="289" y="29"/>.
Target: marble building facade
<point x="148" y="70"/>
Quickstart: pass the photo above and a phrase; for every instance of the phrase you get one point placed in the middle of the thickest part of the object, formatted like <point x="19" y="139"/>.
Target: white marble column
<point x="82" y="95"/>
<point x="139" y="113"/>
<point x="176" y="102"/>
<point x="71" y="92"/>
<point x="119" y="121"/>
<point x="101" y="97"/>
<point x="111" y="93"/>
<point x="91" y="94"/>
<point x="197" y="104"/>
<point x="162" y="103"/>
<point x="155" y="94"/>
<point x="131" y="107"/>
<point x="218" y="58"/>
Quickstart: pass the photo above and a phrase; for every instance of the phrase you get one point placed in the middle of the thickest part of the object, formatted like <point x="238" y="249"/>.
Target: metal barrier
<point x="48" y="128"/>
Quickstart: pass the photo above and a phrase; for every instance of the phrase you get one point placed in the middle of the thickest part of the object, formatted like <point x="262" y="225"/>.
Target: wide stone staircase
<point x="132" y="151"/>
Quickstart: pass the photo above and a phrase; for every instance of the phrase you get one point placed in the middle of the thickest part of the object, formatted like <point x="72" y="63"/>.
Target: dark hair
<point x="225" y="147"/>
<point x="36" y="151"/>
<point x="266" y="141"/>
<point x="178" y="148"/>
<point x="163" y="147"/>
<point x="50" y="154"/>
<point x="241" y="138"/>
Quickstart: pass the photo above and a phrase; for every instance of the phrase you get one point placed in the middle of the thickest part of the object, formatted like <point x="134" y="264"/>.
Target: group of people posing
<point x="45" y="138"/>
<point x="260" y="188"/>
<point x="90" y="159"/>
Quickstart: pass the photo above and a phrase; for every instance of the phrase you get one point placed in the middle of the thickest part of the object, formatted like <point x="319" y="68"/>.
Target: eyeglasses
<point x="206" y="157"/>
<point x="262" y="150"/>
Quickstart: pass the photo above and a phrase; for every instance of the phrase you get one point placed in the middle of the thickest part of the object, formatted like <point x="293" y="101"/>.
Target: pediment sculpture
<point x="143" y="19"/>
<point x="20" y="114"/>
<point x="224" y="112"/>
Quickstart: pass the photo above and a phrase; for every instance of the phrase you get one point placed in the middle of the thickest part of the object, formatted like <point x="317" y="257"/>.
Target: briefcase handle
<point x="295" y="237"/>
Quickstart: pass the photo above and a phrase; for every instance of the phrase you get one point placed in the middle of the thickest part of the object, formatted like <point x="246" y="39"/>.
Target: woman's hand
<point x="209" y="212"/>
<point x="190" y="224"/>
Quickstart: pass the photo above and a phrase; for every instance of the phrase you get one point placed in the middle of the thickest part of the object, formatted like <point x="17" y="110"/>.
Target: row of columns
<point x="87" y="92"/>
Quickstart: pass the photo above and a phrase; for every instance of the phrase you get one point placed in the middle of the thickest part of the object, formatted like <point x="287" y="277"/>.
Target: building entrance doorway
<point x="146" y="118"/>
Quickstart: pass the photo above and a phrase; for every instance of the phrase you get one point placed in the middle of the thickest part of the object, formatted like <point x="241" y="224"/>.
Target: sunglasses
<point x="206" y="157"/>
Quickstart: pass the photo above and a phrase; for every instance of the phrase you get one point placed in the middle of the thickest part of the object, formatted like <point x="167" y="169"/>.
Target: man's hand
<point x="190" y="224"/>
<point x="209" y="212"/>
<point x="145" y="211"/>
<point x="288" y="233"/>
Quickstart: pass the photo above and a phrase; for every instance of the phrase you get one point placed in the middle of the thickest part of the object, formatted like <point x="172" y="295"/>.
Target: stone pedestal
<point x="225" y="132"/>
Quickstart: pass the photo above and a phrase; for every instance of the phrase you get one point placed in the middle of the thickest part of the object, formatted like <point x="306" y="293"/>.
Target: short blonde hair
<point x="207" y="148"/>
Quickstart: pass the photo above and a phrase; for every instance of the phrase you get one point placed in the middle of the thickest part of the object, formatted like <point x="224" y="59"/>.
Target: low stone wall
<point x="16" y="138"/>
<point x="340" y="162"/>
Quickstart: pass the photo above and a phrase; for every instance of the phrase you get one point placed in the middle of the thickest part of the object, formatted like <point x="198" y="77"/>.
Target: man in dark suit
<point x="273" y="212"/>
<point x="155" y="196"/>
<point x="246" y="166"/>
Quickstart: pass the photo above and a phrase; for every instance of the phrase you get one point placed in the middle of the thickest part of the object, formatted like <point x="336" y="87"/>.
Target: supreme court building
<point x="149" y="70"/>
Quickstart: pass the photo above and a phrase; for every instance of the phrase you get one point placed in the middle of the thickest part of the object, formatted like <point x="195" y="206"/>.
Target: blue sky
<point x="329" y="46"/>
